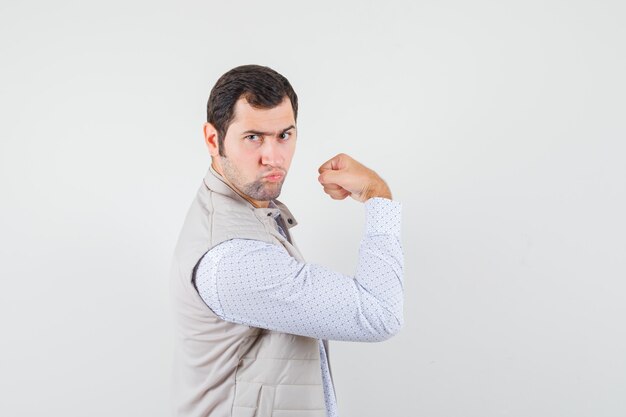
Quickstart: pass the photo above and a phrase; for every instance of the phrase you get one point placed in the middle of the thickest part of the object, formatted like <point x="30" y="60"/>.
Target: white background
<point x="499" y="125"/>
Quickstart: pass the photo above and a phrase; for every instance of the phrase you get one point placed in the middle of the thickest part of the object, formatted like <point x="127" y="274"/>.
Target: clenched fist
<point x="343" y="176"/>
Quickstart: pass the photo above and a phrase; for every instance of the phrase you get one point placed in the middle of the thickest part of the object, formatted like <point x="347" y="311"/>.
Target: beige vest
<point x="225" y="369"/>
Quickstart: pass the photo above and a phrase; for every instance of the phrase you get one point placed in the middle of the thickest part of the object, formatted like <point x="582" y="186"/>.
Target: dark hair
<point x="261" y="86"/>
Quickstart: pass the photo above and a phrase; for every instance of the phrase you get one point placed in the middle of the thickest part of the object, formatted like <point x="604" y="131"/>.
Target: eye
<point x="285" y="135"/>
<point x="253" y="138"/>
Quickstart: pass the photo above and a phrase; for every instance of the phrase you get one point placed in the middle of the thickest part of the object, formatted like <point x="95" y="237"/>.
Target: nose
<point x="271" y="154"/>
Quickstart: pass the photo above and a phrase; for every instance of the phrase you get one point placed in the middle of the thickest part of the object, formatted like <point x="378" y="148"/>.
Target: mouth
<point x="274" y="176"/>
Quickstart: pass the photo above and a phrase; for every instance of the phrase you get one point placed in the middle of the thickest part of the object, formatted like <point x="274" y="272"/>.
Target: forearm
<point x="380" y="267"/>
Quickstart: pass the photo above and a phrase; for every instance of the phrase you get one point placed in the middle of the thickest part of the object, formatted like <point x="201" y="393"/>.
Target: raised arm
<point x="261" y="285"/>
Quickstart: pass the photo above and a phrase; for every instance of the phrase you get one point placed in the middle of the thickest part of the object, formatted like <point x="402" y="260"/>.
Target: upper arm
<point x="262" y="285"/>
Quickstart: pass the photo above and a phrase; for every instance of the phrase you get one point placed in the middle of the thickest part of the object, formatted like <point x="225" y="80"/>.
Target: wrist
<point x="378" y="189"/>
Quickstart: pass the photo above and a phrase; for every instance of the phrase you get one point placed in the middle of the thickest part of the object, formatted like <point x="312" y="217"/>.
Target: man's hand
<point x="343" y="176"/>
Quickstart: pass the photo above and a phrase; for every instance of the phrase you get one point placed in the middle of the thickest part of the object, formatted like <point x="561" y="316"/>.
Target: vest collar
<point x="216" y="183"/>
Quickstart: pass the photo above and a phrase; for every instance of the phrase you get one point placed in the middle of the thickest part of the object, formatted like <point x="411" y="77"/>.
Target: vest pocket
<point x="253" y="399"/>
<point x="246" y="399"/>
<point x="266" y="401"/>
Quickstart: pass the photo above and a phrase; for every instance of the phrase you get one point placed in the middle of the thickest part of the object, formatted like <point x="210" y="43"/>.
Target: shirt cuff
<point x="383" y="216"/>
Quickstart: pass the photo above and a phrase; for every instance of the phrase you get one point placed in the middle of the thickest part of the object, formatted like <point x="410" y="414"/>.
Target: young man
<point x="253" y="318"/>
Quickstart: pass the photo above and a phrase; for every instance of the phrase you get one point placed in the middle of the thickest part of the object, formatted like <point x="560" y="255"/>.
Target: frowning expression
<point x="258" y="147"/>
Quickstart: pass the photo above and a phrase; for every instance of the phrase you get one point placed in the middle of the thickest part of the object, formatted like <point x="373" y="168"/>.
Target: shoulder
<point x="217" y="264"/>
<point x="228" y="219"/>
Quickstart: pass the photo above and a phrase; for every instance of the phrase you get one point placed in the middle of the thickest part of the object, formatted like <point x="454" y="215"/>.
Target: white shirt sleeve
<point x="259" y="284"/>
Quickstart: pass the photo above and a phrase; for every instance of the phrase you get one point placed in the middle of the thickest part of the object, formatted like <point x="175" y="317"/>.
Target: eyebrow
<point x="257" y="132"/>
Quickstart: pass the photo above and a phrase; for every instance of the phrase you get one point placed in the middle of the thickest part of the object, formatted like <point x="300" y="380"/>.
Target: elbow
<point x="397" y="326"/>
<point x="380" y="318"/>
<point x="389" y="328"/>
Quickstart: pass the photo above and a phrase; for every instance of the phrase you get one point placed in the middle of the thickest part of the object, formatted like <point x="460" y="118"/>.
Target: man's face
<point x="259" y="145"/>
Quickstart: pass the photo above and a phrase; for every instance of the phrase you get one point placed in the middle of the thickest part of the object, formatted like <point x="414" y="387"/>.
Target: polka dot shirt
<point x="260" y="284"/>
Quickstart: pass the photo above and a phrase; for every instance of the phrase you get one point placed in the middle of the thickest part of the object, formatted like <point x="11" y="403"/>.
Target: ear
<point x="210" y="138"/>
